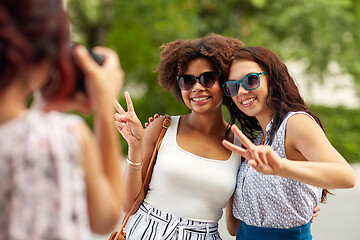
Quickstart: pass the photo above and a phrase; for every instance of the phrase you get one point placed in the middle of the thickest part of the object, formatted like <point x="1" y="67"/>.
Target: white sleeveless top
<point x="189" y="186"/>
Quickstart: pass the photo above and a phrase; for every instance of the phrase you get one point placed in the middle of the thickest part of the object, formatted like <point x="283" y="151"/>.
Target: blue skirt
<point x="247" y="232"/>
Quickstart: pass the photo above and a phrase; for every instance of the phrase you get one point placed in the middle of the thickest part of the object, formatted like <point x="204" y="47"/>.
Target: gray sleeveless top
<point x="272" y="201"/>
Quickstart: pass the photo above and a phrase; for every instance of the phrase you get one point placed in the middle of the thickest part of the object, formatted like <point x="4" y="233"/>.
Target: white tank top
<point x="189" y="186"/>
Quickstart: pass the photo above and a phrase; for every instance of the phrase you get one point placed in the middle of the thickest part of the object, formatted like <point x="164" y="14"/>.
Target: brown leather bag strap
<point x="165" y="125"/>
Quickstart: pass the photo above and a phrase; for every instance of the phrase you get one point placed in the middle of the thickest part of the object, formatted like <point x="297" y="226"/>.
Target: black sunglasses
<point x="249" y="82"/>
<point x="207" y="80"/>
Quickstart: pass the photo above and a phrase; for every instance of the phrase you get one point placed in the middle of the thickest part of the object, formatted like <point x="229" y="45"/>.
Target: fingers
<point x="118" y="107"/>
<point x="111" y="59"/>
<point x="256" y="152"/>
<point x="261" y="154"/>
<point x="315" y="213"/>
<point x="234" y="148"/>
<point x="151" y="119"/>
<point x="128" y="116"/>
<point x="254" y="164"/>
<point x="317" y="208"/>
<point x="125" y="118"/>
<point x="129" y="103"/>
<point x="243" y="139"/>
<point x="119" y="117"/>
<point x="84" y="60"/>
<point x="119" y="126"/>
<point x="109" y="74"/>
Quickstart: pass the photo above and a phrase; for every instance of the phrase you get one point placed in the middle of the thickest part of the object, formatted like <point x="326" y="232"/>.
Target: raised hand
<point x="262" y="158"/>
<point x="128" y="123"/>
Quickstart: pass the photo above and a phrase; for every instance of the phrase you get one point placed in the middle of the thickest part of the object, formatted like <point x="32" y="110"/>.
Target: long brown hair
<point x="283" y="94"/>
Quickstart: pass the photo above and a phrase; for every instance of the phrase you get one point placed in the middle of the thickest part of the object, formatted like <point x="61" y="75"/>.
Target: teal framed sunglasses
<point x="249" y="82"/>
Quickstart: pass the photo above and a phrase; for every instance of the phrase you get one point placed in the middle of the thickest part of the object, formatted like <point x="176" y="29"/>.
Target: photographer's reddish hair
<point x="29" y="31"/>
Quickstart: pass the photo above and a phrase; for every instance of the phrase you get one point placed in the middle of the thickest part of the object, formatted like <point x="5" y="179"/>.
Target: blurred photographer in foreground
<point x="58" y="180"/>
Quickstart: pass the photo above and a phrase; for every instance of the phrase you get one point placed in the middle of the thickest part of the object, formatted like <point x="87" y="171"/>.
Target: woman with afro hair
<point x="194" y="175"/>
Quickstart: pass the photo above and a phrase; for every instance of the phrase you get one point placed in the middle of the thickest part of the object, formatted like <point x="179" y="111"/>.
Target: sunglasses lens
<point x="208" y="79"/>
<point x="186" y="82"/>
<point x="230" y="88"/>
<point x="251" y="82"/>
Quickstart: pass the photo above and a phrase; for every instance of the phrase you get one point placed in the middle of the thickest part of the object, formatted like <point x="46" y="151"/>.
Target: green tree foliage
<point x="341" y="129"/>
<point x="92" y="20"/>
<point x="315" y="32"/>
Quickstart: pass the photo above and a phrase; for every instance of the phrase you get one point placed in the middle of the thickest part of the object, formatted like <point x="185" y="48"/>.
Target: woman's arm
<point x="141" y="147"/>
<point x="232" y="223"/>
<point x="102" y="151"/>
<point x="324" y="167"/>
<point x="103" y="205"/>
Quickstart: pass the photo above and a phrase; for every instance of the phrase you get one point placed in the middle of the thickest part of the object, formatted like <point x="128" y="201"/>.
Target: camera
<point x="52" y="89"/>
<point x="79" y="75"/>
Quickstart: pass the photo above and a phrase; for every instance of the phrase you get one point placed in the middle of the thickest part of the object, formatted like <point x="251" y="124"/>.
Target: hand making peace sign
<point x="262" y="158"/>
<point x="128" y="123"/>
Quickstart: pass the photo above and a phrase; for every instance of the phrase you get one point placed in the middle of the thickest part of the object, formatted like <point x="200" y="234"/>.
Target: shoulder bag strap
<point x="121" y="233"/>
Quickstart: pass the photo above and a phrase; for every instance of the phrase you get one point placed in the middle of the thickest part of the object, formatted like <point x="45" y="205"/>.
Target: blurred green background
<point x="313" y="32"/>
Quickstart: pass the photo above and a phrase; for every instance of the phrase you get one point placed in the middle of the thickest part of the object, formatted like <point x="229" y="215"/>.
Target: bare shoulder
<point x="153" y="130"/>
<point x="301" y="124"/>
<point x="302" y="129"/>
<point x="83" y="131"/>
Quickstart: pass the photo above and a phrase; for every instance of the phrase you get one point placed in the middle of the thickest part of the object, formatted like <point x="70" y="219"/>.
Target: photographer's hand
<point x="103" y="83"/>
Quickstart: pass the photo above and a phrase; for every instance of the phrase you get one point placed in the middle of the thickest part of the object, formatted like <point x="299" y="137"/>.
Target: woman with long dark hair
<point x="289" y="162"/>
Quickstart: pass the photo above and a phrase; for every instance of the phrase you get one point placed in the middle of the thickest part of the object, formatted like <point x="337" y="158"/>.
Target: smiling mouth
<point x="199" y="99"/>
<point x="248" y="101"/>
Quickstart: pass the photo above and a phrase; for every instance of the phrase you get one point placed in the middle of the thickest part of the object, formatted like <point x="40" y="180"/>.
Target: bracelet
<point x="134" y="165"/>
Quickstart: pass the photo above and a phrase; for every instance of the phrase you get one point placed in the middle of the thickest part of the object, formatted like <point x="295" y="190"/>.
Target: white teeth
<point x="199" y="99"/>
<point x="248" y="101"/>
